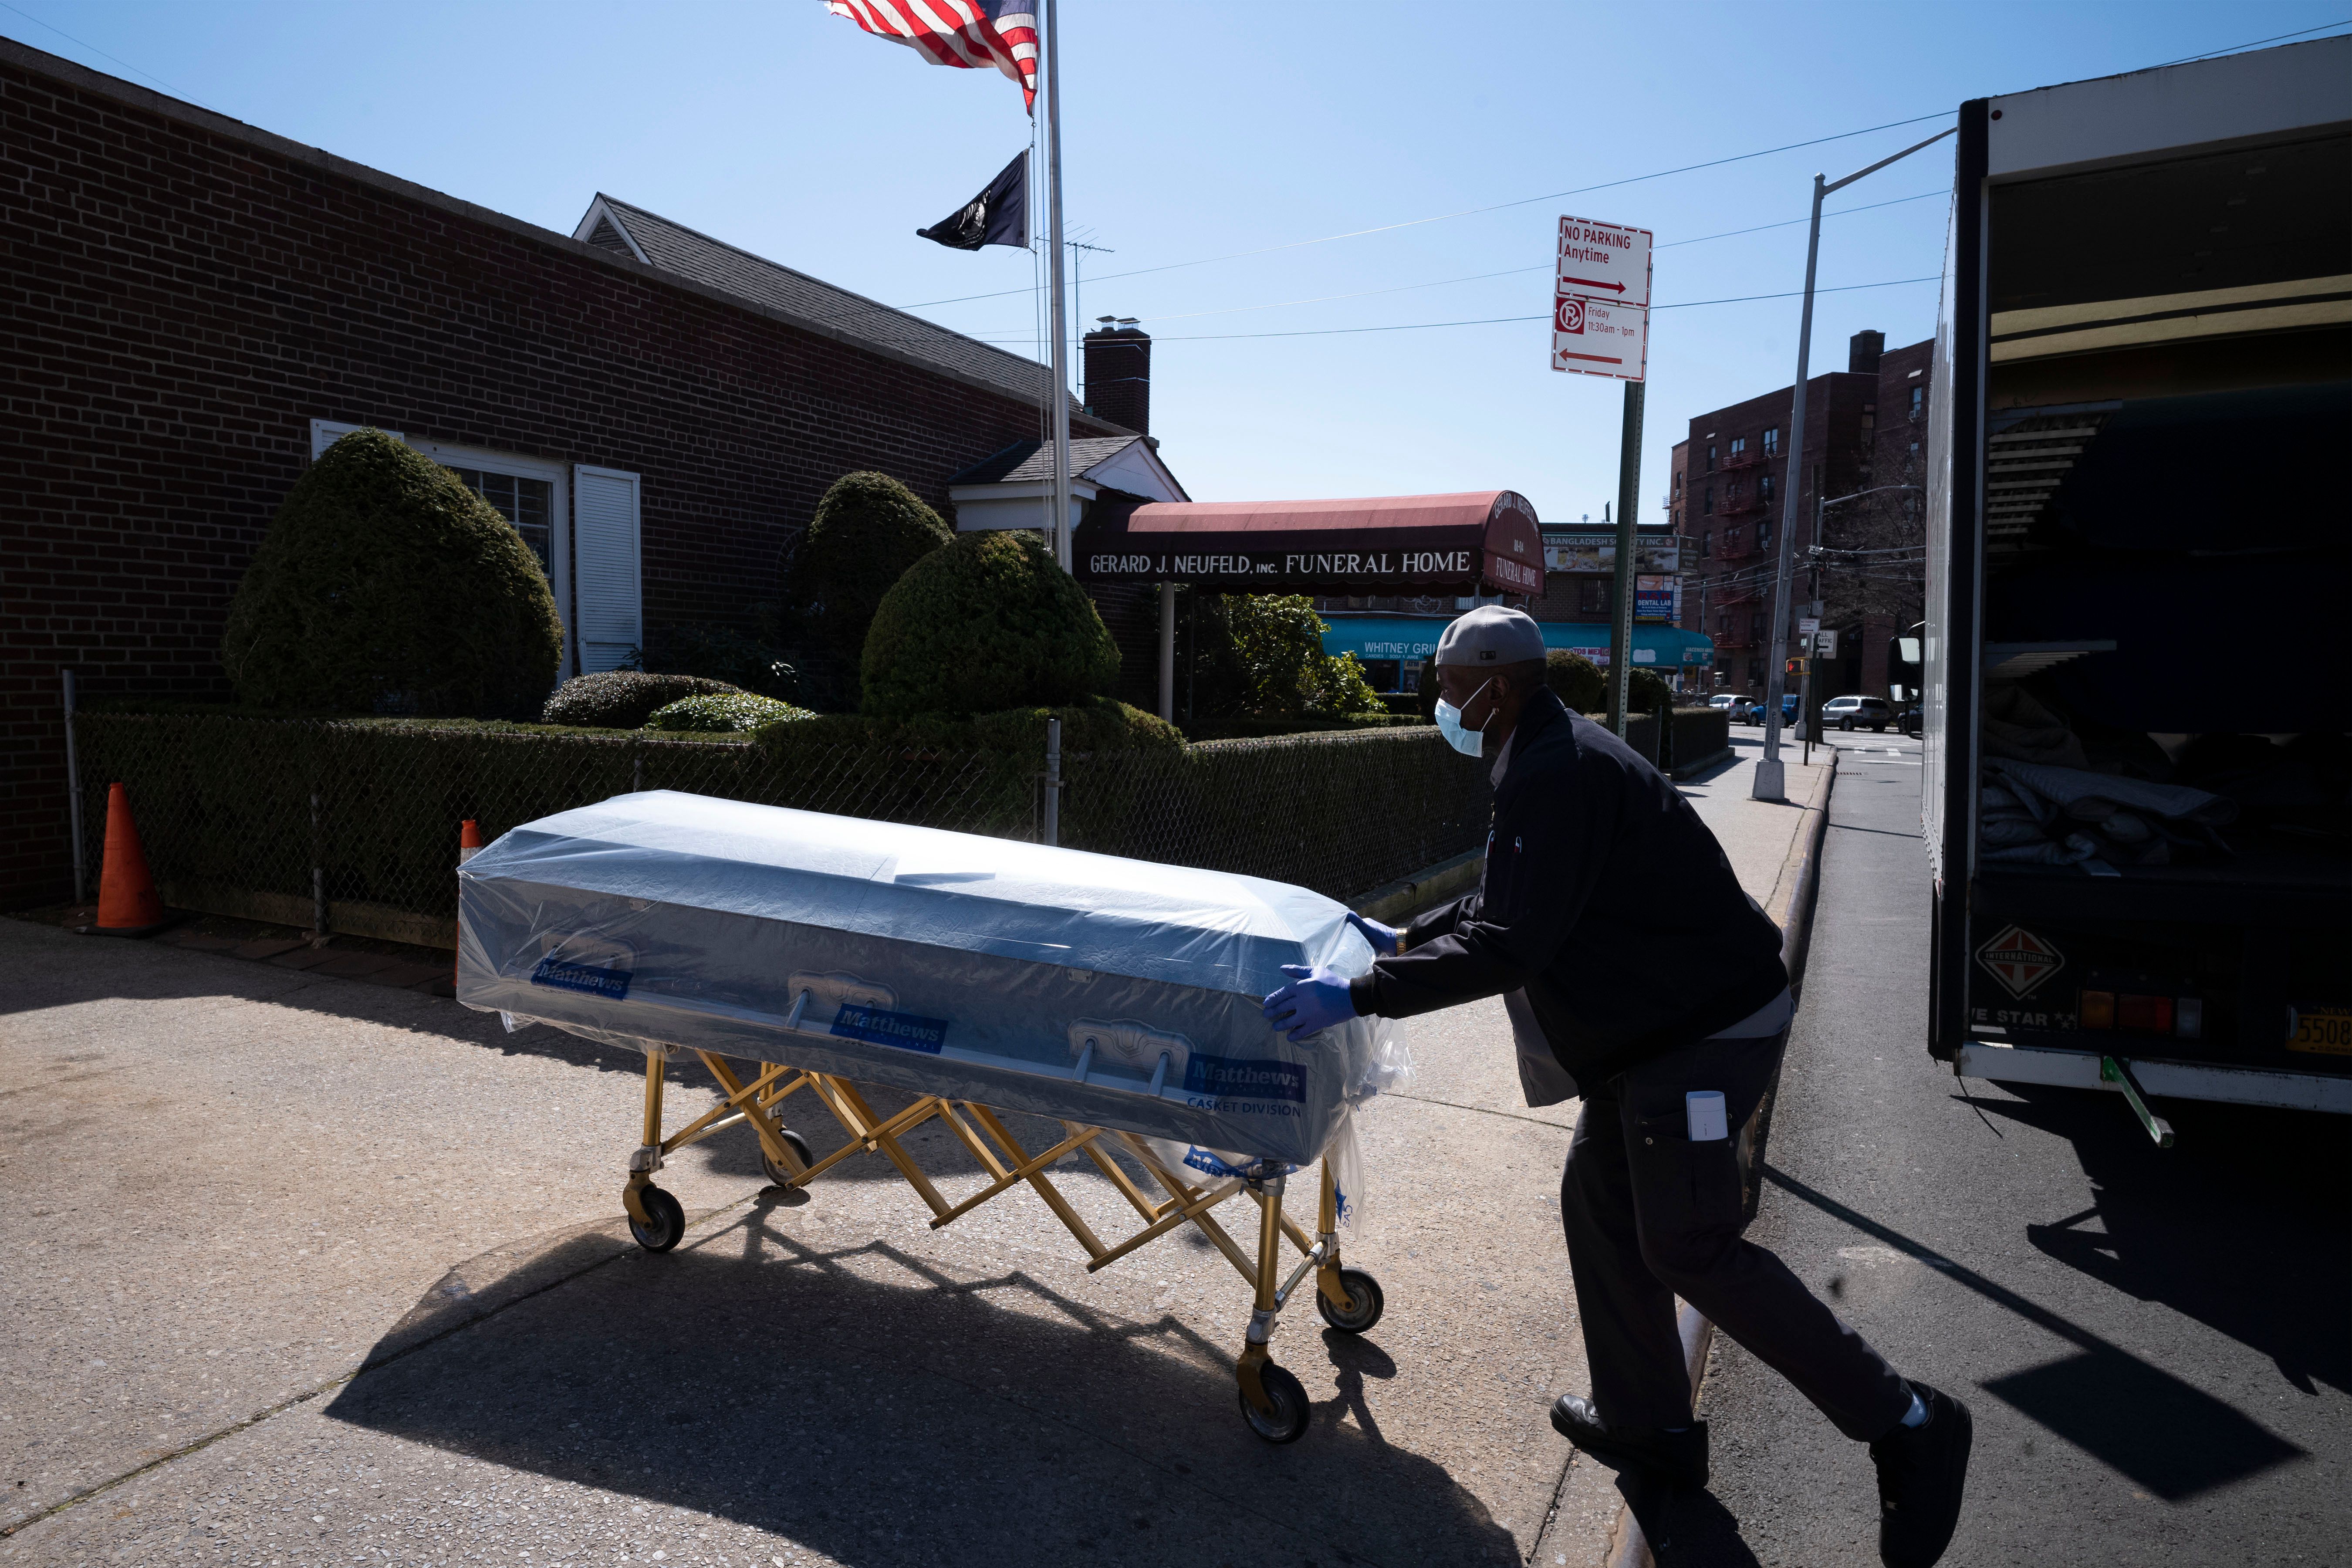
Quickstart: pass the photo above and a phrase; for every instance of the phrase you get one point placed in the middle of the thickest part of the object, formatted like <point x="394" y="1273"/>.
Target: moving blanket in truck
<point x="1115" y="992"/>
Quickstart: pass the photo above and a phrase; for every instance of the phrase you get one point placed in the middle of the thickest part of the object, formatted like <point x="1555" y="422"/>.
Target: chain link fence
<point x="351" y="824"/>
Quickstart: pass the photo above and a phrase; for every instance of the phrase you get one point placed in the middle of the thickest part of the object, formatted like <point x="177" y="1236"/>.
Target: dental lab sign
<point x="1601" y="300"/>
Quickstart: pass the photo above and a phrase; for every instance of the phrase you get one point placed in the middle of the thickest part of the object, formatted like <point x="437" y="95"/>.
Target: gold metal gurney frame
<point x="1272" y="1400"/>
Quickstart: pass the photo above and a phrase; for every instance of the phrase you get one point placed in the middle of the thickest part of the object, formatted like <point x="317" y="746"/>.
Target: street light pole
<point x="1771" y="774"/>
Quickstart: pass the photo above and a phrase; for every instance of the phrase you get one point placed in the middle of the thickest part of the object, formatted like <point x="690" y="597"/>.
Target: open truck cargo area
<point x="2138" y="653"/>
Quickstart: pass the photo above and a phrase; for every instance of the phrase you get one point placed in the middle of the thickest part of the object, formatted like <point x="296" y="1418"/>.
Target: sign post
<point x="1600" y="326"/>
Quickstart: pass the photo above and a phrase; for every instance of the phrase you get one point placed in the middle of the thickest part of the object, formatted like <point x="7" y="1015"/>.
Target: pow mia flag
<point x="998" y="215"/>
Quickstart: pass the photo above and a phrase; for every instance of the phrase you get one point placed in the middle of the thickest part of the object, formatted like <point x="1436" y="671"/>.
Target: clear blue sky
<point x="1197" y="130"/>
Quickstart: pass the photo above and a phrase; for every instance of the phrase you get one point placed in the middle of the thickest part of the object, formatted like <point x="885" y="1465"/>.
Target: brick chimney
<point x="1861" y="353"/>
<point x="1118" y="374"/>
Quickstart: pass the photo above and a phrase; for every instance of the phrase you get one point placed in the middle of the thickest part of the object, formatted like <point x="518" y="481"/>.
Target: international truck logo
<point x="2020" y="959"/>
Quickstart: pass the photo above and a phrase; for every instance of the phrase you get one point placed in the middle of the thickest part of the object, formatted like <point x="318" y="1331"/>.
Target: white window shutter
<point x="606" y="575"/>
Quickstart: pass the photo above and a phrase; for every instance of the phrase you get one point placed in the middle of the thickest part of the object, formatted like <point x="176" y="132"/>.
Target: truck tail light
<point x="2189" y="1018"/>
<point x="2096" y="1010"/>
<point x="2147" y="1015"/>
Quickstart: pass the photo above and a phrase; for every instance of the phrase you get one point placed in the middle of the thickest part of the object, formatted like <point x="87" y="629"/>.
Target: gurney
<point x="792" y="951"/>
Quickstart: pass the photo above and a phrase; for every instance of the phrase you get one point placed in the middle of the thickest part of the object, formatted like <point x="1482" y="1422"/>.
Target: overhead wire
<point x="1465" y="212"/>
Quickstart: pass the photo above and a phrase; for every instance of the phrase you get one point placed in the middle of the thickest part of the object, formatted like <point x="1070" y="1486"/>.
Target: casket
<point x="1115" y="992"/>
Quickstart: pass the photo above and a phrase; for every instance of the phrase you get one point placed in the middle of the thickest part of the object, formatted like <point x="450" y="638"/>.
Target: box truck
<point x="2136" y="663"/>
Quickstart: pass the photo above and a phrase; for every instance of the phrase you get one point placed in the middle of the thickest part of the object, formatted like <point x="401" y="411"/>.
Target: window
<point x="1764" y="489"/>
<point x="1731" y="541"/>
<point x="1918" y="397"/>
<point x="1739" y="448"/>
<point x="1764" y="534"/>
<point x="1710" y="489"/>
<point x="1707" y="543"/>
<point x="1869" y="417"/>
<point x="1731" y="494"/>
<point x="1772" y="440"/>
<point x="528" y="504"/>
<point x="1593" y="598"/>
<point x="1710" y="459"/>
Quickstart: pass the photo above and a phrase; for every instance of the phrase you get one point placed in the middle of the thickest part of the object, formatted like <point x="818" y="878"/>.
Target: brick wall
<point x="182" y="295"/>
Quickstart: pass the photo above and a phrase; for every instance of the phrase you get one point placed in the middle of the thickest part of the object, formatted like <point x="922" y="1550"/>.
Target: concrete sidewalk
<point x="307" y="1269"/>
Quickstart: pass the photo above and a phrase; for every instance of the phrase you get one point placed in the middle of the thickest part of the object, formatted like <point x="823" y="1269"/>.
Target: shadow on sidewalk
<point x="874" y="1406"/>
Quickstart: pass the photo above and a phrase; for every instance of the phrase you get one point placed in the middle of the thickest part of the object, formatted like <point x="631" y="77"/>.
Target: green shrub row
<point x="226" y="799"/>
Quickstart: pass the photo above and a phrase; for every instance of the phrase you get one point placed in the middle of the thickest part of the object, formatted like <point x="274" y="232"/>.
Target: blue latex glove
<point x="1313" y="1001"/>
<point x="1386" y="940"/>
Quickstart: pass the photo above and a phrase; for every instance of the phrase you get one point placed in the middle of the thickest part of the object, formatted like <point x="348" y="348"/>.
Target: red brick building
<point x="1866" y="432"/>
<point x="193" y="306"/>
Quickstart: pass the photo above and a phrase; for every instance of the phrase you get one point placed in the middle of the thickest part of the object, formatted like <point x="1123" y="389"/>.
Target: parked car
<point x="1872" y="713"/>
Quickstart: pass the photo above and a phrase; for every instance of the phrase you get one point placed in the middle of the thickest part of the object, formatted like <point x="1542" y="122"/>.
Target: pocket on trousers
<point x="1687" y="1185"/>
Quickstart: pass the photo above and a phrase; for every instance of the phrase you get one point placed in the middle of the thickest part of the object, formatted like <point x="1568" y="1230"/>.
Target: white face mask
<point x="1469" y="743"/>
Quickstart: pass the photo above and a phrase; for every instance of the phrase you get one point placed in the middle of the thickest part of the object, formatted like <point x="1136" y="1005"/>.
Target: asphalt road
<point x="2153" y="1343"/>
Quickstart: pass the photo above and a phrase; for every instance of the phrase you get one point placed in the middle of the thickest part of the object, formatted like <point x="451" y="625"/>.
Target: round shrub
<point x="987" y="624"/>
<point x="867" y="530"/>
<point x="1576" y="680"/>
<point x="385" y="586"/>
<point x="723" y="712"/>
<point x="622" y="699"/>
<point x="1649" y="692"/>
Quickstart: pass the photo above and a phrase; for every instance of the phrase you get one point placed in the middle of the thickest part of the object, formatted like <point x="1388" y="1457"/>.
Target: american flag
<point x="969" y="35"/>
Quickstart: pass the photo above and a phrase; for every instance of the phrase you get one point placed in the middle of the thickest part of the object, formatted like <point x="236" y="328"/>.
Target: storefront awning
<point x="1411" y="638"/>
<point x="1483" y="541"/>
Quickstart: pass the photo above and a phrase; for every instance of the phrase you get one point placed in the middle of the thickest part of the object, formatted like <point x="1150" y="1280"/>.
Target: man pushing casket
<point x="1604" y="894"/>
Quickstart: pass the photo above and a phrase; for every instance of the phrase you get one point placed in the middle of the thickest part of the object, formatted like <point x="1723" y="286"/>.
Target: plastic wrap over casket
<point x="1115" y="992"/>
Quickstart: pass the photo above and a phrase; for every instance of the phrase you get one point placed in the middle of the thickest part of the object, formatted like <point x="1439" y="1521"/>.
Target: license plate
<point x="2326" y="1031"/>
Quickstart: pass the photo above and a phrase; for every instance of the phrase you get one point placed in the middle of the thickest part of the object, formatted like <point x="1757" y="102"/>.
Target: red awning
<point x="1483" y="541"/>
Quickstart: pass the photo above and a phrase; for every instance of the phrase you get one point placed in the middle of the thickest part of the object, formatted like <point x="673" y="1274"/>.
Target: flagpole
<point x="1051" y="58"/>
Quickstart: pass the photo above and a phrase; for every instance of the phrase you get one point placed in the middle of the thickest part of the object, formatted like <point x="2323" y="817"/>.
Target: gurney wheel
<point x="1365" y="1303"/>
<point x="668" y="1226"/>
<point x="1287" y="1423"/>
<point x="776" y="1172"/>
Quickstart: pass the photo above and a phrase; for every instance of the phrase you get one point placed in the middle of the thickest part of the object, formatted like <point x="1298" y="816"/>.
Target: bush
<point x="622" y="698"/>
<point x="987" y="624"/>
<point x="724" y="712"/>
<point x="385" y="586"/>
<point x="867" y="530"/>
<point x="1576" y="680"/>
<point x="1649" y="692"/>
<point x="725" y="654"/>
<point x="1278" y="668"/>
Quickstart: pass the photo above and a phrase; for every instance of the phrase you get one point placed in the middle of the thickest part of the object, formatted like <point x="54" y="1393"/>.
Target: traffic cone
<point x="469" y="844"/>
<point x="127" y="904"/>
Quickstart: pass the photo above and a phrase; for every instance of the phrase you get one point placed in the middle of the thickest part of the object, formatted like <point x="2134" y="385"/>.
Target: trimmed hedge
<point x="385" y="586"/>
<point x="236" y="810"/>
<point x="622" y="698"/>
<point x="867" y="530"/>
<point x="987" y="624"/>
<point x="724" y="712"/>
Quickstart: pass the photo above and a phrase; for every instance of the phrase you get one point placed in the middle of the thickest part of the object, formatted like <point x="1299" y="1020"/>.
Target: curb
<point x="1791" y="908"/>
<point x="1409" y="895"/>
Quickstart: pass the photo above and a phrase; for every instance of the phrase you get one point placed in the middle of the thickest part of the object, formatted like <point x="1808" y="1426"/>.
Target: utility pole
<point x="1771" y="774"/>
<point x="1052" y="60"/>
<point x="1620" y="629"/>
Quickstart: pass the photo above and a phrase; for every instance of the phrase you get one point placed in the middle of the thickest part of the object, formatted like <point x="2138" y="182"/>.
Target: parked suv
<point x="1858" y="712"/>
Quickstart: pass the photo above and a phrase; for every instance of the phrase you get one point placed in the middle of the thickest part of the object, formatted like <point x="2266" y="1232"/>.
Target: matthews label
<point x="1246" y="1077"/>
<point x="856" y="1021"/>
<point x="565" y="974"/>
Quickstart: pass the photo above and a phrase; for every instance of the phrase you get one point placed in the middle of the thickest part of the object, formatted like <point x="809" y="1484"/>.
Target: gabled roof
<point x="668" y="247"/>
<point x="1026" y="461"/>
<point x="1110" y="465"/>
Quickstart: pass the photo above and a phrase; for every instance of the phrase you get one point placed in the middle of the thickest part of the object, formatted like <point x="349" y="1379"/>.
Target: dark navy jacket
<point x="1605" y="897"/>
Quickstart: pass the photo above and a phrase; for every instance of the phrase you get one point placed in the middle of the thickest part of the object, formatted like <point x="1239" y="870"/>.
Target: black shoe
<point x="1678" y="1457"/>
<point x="1920" y="1473"/>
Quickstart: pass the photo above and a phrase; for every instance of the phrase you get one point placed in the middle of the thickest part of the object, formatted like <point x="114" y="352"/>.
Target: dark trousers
<point x="1650" y="1215"/>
